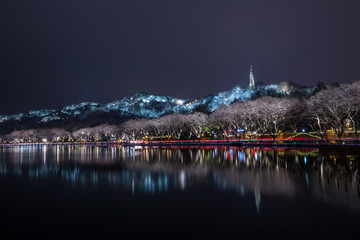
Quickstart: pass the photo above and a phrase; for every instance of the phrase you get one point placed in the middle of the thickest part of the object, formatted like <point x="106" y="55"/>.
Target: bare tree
<point x="250" y="118"/>
<point x="38" y="135"/>
<point x="196" y="123"/>
<point x="352" y="105"/>
<point x="315" y="118"/>
<point x="174" y="125"/>
<point x="328" y="106"/>
<point x="136" y="128"/>
<point x="220" y="119"/>
<point x="295" y="115"/>
<point x="270" y="114"/>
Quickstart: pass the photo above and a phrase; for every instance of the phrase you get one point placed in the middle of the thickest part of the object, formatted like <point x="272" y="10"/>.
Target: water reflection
<point x="329" y="175"/>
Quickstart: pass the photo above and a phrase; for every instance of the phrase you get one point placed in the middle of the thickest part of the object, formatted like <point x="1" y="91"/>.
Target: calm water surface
<point x="101" y="191"/>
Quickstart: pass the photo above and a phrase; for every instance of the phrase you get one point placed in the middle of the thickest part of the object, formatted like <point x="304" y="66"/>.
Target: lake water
<point x="115" y="191"/>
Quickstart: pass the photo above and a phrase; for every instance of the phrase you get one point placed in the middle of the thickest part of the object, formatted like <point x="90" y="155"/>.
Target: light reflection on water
<point x="330" y="176"/>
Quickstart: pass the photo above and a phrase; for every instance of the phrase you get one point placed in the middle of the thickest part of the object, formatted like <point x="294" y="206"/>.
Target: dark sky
<point x="59" y="52"/>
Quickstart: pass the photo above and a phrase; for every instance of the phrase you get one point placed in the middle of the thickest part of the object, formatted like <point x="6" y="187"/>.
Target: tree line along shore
<point x="330" y="115"/>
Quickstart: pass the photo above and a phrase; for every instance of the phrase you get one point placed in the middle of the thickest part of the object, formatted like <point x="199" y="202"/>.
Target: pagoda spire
<point x="252" y="79"/>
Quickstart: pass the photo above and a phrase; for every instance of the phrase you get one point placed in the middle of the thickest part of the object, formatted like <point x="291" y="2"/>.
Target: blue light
<point x="147" y="105"/>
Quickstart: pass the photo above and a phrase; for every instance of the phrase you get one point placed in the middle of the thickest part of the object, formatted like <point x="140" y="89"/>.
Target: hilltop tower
<point x="252" y="79"/>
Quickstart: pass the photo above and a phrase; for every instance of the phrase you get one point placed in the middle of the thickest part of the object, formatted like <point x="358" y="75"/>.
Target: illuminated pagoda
<point x="252" y="79"/>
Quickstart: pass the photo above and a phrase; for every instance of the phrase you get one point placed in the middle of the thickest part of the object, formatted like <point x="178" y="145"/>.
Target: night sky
<point x="59" y="52"/>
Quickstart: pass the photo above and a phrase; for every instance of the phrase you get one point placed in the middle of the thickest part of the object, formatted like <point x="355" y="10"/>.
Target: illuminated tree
<point x="196" y="123"/>
<point x="352" y="105"/>
<point x="219" y="118"/>
<point x="328" y="107"/>
<point x="295" y="116"/>
<point x="315" y="118"/>
<point x="136" y="128"/>
<point x="173" y="124"/>
<point x="270" y="114"/>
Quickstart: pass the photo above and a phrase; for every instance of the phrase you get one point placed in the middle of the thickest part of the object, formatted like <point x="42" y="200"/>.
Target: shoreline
<point x="189" y="143"/>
